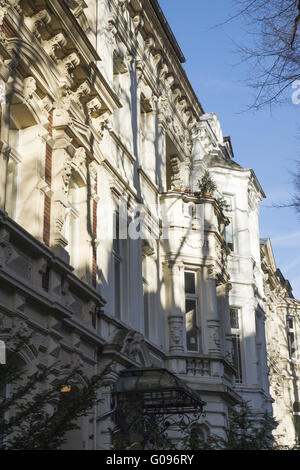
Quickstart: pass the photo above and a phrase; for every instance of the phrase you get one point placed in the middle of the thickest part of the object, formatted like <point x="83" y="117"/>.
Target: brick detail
<point x="47" y="212"/>
<point x="48" y="165"/>
<point x="8" y="31"/>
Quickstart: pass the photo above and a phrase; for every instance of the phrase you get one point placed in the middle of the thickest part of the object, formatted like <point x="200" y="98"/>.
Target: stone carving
<point x="164" y="69"/>
<point x="176" y="177"/>
<point x="157" y="58"/>
<point x="77" y="6"/>
<point x="182" y="103"/>
<point x="46" y="103"/>
<point x="68" y="63"/>
<point x="83" y="90"/>
<point x="212" y="271"/>
<point x="132" y="345"/>
<point x="102" y="123"/>
<point x="176" y="333"/>
<point x="139" y="68"/>
<point x="3" y="10"/>
<point x="15" y="4"/>
<point x="138" y="22"/>
<point x="169" y="80"/>
<point x="164" y="109"/>
<point x="111" y="29"/>
<point x="42" y="18"/>
<point x="79" y="157"/>
<point x="55" y="43"/>
<point x="94" y="107"/>
<point x="67" y="171"/>
<point x="93" y="176"/>
<point x="149" y="45"/>
<point x="177" y="93"/>
<point x="198" y="367"/>
<point x="60" y="211"/>
<point x="20" y="330"/>
<point x="29" y="88"/>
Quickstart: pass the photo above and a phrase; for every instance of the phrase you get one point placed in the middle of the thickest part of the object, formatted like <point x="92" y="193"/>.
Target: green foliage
<point x="206" y="183"/>
<point x="222" y="203"/>
<point x="36" y="414"/>
<point x="137" y="430"/>
<point x="246" y="431"/>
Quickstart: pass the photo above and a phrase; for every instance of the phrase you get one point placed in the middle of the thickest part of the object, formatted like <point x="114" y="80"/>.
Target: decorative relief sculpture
<point x="42" y="18"/>
<point x="101" y="123"/>
<point x="68" y="63"/>
<point x="29" y="88"/>
<point x="93" y="167"/>
<point x="149" y="45"/>
<point x="94" y="107"/>
<point x="60" y="211"/>
<point x="176" y="333"/>
<point x="111" y="28"/>
<point x="55" y="43"/>
<point x="3" y="10"/>
<point x="138" y="22"/>
<point x="83" y="90"/>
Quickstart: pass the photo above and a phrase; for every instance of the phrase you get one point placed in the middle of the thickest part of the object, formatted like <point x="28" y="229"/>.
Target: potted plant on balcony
<point x="207" y="185"/>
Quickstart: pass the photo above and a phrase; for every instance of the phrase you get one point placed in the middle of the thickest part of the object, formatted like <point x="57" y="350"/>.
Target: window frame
<point x="229" y="229"/>
<point x="238" y="333"/>
<point x="195" y="298"/>
<point x="291" y="333"/>
<point x="117" y="256"/>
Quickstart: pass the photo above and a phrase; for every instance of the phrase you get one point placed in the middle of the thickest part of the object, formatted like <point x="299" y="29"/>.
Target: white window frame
<point x="194" y="297"/>
<point x="117" y="258"/>
<point x="230" y="229"/>
<point x="237" y="332"/>
<point x="72" y="227"/>
<point x="292" y="347"/>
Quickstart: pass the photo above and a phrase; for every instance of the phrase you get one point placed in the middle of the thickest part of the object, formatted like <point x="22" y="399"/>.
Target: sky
<point x="267" y="140"/>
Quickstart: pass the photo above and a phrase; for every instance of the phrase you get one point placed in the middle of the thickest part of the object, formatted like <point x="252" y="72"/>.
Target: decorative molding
<point x="34" y="22"/>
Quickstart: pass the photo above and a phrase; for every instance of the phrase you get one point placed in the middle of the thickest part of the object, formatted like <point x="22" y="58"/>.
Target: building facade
<point x="282" y="335"/>
<point x="108" y="250"/>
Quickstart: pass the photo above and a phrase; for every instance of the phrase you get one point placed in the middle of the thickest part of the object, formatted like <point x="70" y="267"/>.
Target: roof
<point x="158" y="388"/>
<point x="167" y="29"/>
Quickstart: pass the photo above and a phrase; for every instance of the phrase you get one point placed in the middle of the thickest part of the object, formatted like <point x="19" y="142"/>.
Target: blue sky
<point x="267" y="141"/>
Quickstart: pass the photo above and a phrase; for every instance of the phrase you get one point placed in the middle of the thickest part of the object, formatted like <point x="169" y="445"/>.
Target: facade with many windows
<point x="282" y="335"/>
<point x="108" y="250"/>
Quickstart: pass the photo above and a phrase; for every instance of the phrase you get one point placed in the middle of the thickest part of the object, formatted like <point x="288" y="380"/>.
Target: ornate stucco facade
<point x="282" y="334"/>
<point x="102" y="136"/>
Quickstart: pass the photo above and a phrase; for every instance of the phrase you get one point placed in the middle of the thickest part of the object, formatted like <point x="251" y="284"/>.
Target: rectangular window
<point x="291" y="337"/>
<point x="11" y="188"/>
<point x="146" y="310"/>
<point x="229" y="234"/>
<point x="191" y="311"/>
<point x="229" y="228"/>
<point x="72" y="224"/>
<point x="117" y="260"/>
<point x="236" y="342"/>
